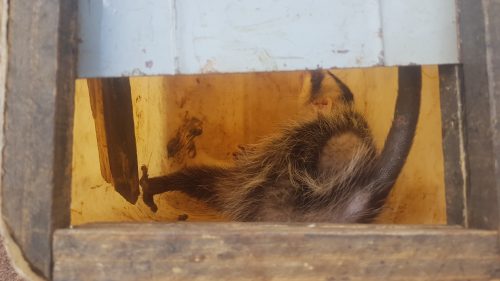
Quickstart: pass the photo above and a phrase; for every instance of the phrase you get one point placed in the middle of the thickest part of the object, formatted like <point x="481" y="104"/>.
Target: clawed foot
<point x="147" y="197"/>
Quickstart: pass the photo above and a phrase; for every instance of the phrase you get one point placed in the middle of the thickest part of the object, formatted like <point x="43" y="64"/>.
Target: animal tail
<point x="400" y="137"/>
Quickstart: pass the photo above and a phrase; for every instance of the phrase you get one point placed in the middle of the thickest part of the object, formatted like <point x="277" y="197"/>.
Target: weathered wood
<point x="244" y="251"/>
<point x="492" y="24"/>
<point x="111" y="101"/>
<point x="452" y="116"/>
<point x="96" y="104"/>
<point x="482" y="205"/>
<point x="38" y="124"/>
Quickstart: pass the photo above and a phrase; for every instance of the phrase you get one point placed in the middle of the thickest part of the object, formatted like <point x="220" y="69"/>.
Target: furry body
<point x="324" y="168"/>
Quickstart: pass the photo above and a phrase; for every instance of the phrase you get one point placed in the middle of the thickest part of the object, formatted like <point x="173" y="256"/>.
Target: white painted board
<point x="423" y="32"/>
<point x="158" y="37"/>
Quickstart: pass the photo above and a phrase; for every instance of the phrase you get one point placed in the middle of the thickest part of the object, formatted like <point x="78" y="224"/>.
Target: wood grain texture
<point x="492" y="8"/>
<point x="111" y="103"/>
<point x="38" y="125"/>
<point x="452" y="116"/>
<point x="239" y="109"/>
<point x="245" y="251"/>
<point x="97" y="106"/>
<point x="482" y="205"/>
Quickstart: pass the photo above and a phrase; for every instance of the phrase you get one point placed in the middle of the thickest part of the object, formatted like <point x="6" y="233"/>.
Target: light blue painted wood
<point x="268" y="35"/>
<point x="125" y="38"/>
<point x="157" y="37"/>
<point x="423" y="31"/>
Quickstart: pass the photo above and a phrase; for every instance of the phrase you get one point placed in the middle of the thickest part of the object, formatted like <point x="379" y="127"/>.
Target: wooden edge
<point x="37" y="128"/>
<point x="13" y="251"/>
<point x="111" y="102"/>
<point x="96" y="104"/>
<point x="455" y="164"/>
<point x="492" y="26"/>
<point x="482" y="180"/>
<point x="263" y="251"/>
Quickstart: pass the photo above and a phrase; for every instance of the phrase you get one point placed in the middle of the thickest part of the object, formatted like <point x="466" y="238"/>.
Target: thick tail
<point x="197" y="182"/>
<point x="400" y="137"/>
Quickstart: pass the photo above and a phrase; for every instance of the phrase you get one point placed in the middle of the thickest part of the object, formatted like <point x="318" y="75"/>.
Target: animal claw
<point x="147" y="197"/>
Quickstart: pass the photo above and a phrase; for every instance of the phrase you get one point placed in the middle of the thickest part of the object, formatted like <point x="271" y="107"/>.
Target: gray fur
<point x="323" y="169"/>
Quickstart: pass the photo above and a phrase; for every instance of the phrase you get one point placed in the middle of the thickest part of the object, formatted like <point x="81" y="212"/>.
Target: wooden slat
<point x="111" y="101"/>
<point x="96" y="104"/>
<point x="199" y="36"/>
<point x="452" y="115"/>
<point x="244" y="251"/>
<point x="492" y="25"/>
<point x="482" y="205"/>
<point x="38" y="124"/>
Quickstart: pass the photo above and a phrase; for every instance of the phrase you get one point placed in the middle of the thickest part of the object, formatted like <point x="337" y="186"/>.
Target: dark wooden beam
<point x="38" y="124"/>
<point x="492" y="26"/>
<point x="453" y="129"/>
<point x="111" y="102"/>
<point x="482" y="170"/>
<point x="247" y="251"/>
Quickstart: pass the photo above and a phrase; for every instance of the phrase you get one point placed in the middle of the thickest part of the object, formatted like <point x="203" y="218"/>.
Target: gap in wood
<point x="236" y="109"/>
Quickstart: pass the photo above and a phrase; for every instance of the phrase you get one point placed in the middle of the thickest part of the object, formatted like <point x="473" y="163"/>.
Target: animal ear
<point x="322" y="92"/>
<point x="346" y="94"/>
<point x="323" y="104"/>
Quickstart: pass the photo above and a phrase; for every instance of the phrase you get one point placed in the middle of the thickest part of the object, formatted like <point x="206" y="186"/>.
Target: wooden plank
<point x="97" y="107"/>
<point x="121" y="37"/>
<point x="482" y="205"/>
<point x="452" y="115"/>
<point x="406" y="24"/>
<point x="38" y="125"/>
<point x="111" y="101"/>
<point x="247" y="251"/>
<point x="492" y="25"/>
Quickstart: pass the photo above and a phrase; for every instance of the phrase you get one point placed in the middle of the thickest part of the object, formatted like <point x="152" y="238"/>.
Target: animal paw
<point x="147" y="197"/>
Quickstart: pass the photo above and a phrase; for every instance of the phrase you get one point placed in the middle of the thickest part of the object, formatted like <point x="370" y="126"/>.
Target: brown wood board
<point x="247" y="251"/>
<point x="111" y="104"/>
<point x="38" y="125"/>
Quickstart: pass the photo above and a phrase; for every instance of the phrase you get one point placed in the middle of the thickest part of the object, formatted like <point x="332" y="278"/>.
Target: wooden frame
<point x="479" y="105"/>
<point x="38" y="125"/>
<point x="452" y="114"/>
<point x="37" y="162"/>
<point x="236" y="251"/>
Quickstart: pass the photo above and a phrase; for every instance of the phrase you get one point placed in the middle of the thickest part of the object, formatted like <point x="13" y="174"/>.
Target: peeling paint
<point x="267" y="60"/>
<point x="209" y="67"/>
<point x="135" y="72"/>
<point x="381" y="58"/>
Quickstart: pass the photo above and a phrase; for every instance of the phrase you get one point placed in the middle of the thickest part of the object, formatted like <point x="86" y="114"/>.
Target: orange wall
<point x="237" y="109"/>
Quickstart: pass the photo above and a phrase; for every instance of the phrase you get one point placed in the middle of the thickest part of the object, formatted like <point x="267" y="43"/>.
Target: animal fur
<point x="323" y="169"/>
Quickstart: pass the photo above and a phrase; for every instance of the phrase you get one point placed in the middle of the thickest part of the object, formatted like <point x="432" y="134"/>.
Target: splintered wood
<point x="202" y="119"/>
<point x="111" y="104"/>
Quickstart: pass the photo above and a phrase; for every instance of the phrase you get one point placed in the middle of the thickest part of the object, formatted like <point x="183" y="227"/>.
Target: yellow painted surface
<point x="237" y="109"/>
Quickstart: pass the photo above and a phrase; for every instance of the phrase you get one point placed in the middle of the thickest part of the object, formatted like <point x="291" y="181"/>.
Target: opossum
<point x="325" y="168"/>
